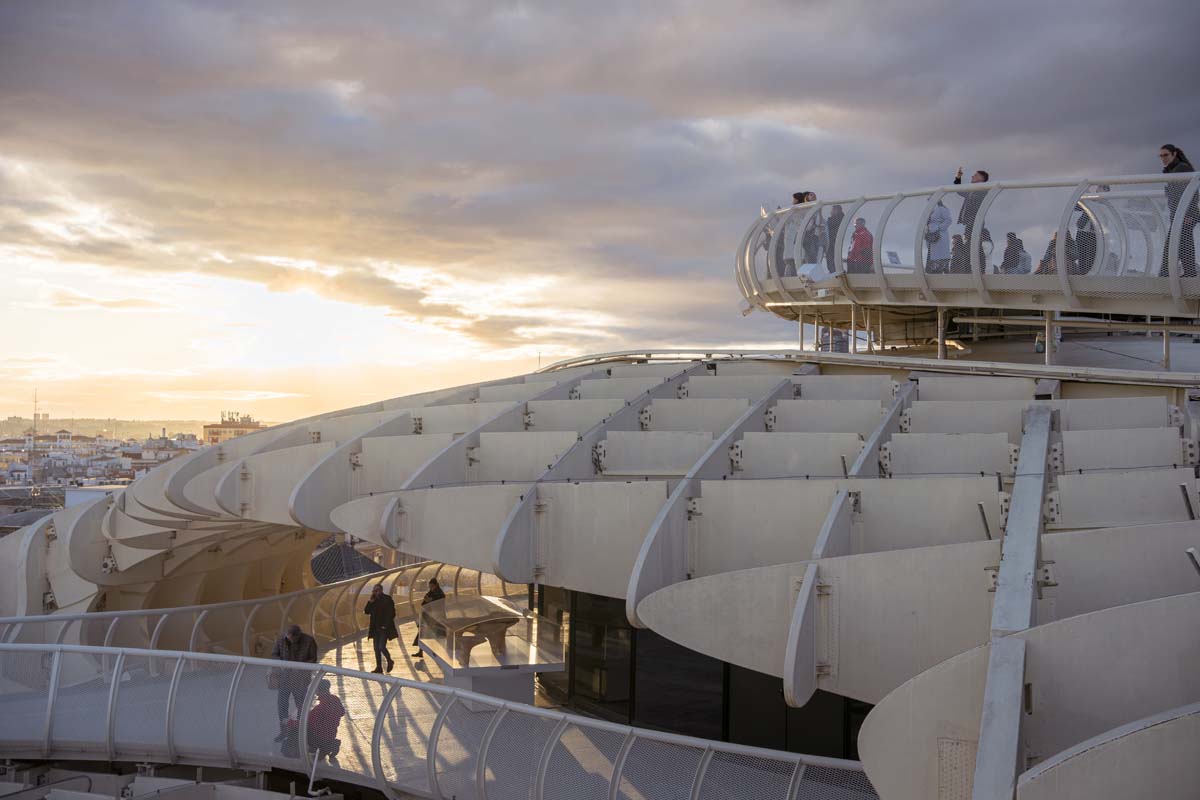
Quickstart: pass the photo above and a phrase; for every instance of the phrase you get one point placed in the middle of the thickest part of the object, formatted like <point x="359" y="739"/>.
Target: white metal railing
<point x="398" y="735"/>
<point x="243" y="627"/>
<point x="1109" y="244"/>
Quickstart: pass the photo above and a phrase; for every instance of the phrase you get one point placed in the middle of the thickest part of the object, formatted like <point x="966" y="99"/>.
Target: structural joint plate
<point x="1054" y="462"/>
<point x="1005" y="503"/>
<point x="598" y="453"/>
<point x="644" y="418"/>
<point x="735" y="457"/>
<point x="885" y="459"/>
<point x="1188" y="447"/>
<point x="1050" y="509"/>
<point x="769" y="419"/>
<point x="905" y="421"/>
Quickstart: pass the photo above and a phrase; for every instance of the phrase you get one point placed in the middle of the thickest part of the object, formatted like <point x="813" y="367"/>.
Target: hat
<point x="293" y="630"/>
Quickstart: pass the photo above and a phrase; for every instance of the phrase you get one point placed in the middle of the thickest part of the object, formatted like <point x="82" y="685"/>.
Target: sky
<point x="286" y="208"/>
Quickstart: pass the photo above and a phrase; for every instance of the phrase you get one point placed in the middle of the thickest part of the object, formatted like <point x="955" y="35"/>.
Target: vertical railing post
<point x="230" y="749"/>
<point x="539" y="785"/>
<point x="797" y="779"/>
<point x="701" y="768"/>
<point x="169" y="722"/>
<point x="110" y="719"/>
<point x="1174" y="242"/>
<point x="302" y="719"/>
<point x="203" y="615"/>
<point x="246" y="629"/>
<point x="376" y="743"/>
<point x="51" y="696"/>
<point x="614" y="784"/>
<point x="481" y="759"/>
<point x="431" y="750"/>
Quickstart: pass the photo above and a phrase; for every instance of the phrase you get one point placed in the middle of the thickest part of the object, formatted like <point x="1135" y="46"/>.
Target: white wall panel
<point x="1112" y="499"/>
<point x="509" y="392"/>
<point x="828" y="416"/>
<point x="659" y="369"/>
<point x="617" y="388"/>
<point x="388" y="461"/>
<point x="787" y="455"/>
<point x="949" y="453"/>
<point x="571" y="415"/>
<point x="457" y="418"/>
<point x="1122" y="448"/>
<point x="978" y="416"/>
<point x="1115" y="412"/>
<point x="695" y="415"/>
<point x="653" y="452"/>
<point x="264" y="497"/>
<point x="456" y="524"/>
<point x="730" y="386"/>
<point x="757" y="523"/>
<point x="923" y="512"/>
<point x="520" y="455"/>
<point x="976" y="387"/>
<point x="592" y="532"/>
<point x="846" y="387"/>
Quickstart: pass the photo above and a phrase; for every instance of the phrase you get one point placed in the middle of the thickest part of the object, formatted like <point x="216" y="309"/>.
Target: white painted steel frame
<point x="374" y="777"/>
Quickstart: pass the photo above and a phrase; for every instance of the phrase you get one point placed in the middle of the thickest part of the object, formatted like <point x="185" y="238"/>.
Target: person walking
<point x="434" y="594"/>
<point x="381" y="608"/>
<point x="295" y="645"/>
<point x="1174" y="161"/>
<point x="937" y="238"/>
<point x="1012" y="263"/>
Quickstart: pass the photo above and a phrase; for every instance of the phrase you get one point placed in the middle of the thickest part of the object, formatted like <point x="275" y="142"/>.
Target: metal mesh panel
<point x="735" y="775"/>
<point x="899" y="235"/>
<point x="140" y="724"/>
<point x="659" y="770"/>
<point x="81" y="708"/>
<point x="199" y="722"/>
<point x="858" y="247"/>
<point x="322" y="619"/>
<point x="458" y="747"/>
<point x="404" y="740"/>
<point x="26" y="690"/>
<point x="362" y="698"/>
<point x="828" y="783"/>
<point x="514" y="756"/>
<point x="221" y="631"/>
<point x="581" y="765"/>
<point x="256" y="720"/>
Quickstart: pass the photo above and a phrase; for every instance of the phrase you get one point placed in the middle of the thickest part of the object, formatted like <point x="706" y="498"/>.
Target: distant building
<point x="232" y="425"/>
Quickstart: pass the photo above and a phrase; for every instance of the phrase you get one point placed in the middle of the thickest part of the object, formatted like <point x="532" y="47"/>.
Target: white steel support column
<point x="1049" y="338"/>
<point x="941" y="333"/>
<point x="1166" y="359"/>
<point x="1014" y="610"/>
<point x="854" y="328"/>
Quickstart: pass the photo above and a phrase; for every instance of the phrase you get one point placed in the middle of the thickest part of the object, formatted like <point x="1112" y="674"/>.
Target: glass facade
<point x="635" y="676"/>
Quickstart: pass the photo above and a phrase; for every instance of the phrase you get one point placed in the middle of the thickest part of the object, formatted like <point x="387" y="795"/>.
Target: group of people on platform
<point x="948" y="253"/>
<point x="292" y="685"/>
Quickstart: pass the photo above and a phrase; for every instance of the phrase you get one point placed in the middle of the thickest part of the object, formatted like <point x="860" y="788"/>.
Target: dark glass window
<point x="676" y="689"/>
<point x="602" y="658"/>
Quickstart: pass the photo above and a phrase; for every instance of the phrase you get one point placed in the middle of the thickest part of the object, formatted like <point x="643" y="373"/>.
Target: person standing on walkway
<point x="832" y="226"/>
<point x="434" y="594"/>
<point x="1174" y="161"/>
<point x="295" y="645"/>
<point x="382" y="628"/>
<point x="937" y="239"/>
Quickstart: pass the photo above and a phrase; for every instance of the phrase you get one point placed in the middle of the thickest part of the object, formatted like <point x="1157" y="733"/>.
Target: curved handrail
<point x="1133" y="285"/>
<point x="393" y="706"/>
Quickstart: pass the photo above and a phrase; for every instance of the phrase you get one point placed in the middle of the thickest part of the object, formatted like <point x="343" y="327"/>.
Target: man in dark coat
<point x="382" y="628"/>
<point x="295" y="645"/>
<point x="434" y="594"/>
<point x="1174" y="161"/>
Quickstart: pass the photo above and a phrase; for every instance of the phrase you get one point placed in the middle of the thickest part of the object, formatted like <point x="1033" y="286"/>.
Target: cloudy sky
<point x="293" y="207"/>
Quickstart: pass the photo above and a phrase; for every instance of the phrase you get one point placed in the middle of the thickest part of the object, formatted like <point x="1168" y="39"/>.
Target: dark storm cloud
<point x="621" y="145"/>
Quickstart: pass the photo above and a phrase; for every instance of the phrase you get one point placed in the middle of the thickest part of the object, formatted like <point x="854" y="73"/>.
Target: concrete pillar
<point x="941" y="333"/>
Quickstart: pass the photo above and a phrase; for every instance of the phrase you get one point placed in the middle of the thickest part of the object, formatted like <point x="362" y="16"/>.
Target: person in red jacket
<point x="324" y="719"/>
<point x="860" y="257"/>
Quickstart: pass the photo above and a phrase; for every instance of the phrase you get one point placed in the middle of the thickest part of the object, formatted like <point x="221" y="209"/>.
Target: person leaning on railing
<point x="295" y="645"/>
<point x="1174" y="161"/>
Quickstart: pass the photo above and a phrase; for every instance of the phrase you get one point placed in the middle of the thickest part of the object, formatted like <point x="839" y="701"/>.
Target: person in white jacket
<point x="937" y="239"/>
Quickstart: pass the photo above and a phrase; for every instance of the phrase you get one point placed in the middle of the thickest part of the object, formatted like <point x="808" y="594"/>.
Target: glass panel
<point x="601" y="662"/>
<point x="677" y="689"/>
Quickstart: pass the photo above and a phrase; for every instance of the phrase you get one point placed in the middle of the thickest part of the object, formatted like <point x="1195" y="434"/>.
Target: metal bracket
<point x="885" y="459"/>
<point x="418" y="425"/>
<point x="1188" y="451"/>
<point x="693" y="508"/>
<point x="1055" y="461"/>
<point x="355" y="460"/>
<point x="769" y="419"/>
<point x="681" y="391"/>
<point x="905" y="421"/>
<point x="599" y="451"/>
<point x="1050" y="509"/>
<point x="644" y="418"/>
<point x="1005" y="503"/>
<point x="993" y="577"/>
<point x="527" y="417"/>
<point x="316" y="436"/>
<point x="735" y="457"/>
<point x="574" y="394"/>
<point x="472" y="456"/>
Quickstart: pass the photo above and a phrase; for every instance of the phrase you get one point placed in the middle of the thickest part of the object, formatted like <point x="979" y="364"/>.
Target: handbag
<point x="932" y="237"/>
